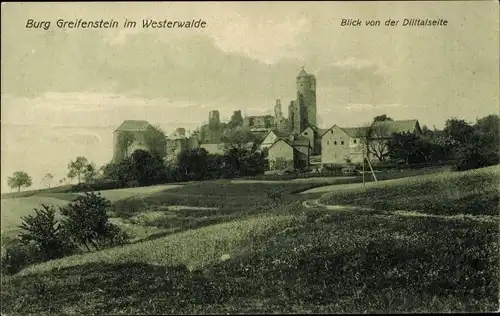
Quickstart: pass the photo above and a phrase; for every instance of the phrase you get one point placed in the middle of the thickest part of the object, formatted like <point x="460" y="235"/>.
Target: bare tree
<point x="47" y="179"/>
<point x="374" y="140"/>
<point x="125" y="140"/>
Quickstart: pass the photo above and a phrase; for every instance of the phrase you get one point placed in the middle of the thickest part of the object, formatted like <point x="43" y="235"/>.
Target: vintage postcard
<point x="249" y="157"/>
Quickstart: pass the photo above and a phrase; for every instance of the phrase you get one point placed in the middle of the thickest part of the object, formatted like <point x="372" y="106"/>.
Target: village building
<point x="345" y="145"/>
<point x="272" y="136"/>
<point x="177" y="142"/>
<point x="289" y="153"/>
<point x="132" y="135"/>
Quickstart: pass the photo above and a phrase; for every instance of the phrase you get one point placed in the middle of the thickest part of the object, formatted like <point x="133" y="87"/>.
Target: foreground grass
<point x="341" y="262"/>
<point x="194" y="248"/>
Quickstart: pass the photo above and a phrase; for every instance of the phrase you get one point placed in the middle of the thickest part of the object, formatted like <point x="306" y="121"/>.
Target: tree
<point x="147" y="168"/>
<point x="241" y="153"/>
<point x="77" y="168"/>
<point x="192" y="163"/>
<point x="45" y="233"/>
<point x="481" y="148"/>
<point x="91" y="173"/>
<point x="19" y="179"/>
<point x="155" y="140"/>
<point x="47" y="179"/>
<point x="125" y="140"/>
<point x="405" y="146"/>
<point x="374" y="140"/>
<point x="381" y="118"/>
<point x="458" y="130"/>
<point x="119" y="171"/>
<point x="87" y="223"/>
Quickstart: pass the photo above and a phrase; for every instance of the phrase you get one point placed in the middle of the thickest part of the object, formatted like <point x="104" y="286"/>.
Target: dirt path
<point x="316" y="204"/>
<point x="298" y="180"/>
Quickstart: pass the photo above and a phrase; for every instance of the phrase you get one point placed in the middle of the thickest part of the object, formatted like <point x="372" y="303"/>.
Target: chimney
<point x="291" y="137"/>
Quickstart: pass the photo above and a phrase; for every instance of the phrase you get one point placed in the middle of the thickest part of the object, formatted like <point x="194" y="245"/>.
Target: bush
<point x="16" y="257"/>
<point x="45" y="233"/>
<point x="87" y="222"/>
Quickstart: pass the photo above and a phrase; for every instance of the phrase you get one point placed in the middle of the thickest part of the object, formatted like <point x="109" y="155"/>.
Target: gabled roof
<point x="279" y="140"/>
<point x="319" y="131"/>
<point x="300" y="141"/>
<point x="326" y="130"/>
<point x="355" y="131"/>
<point x="401" y="126"/>
<point x="134" y="126"/>
<point x="278" y="133"/>
<point x="388" y="128"/>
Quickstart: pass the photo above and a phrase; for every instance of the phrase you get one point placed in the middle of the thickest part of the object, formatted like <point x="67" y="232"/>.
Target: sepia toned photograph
<point x="169" y="158"/>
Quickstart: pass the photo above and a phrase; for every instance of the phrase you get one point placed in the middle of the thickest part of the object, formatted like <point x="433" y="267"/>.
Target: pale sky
<point x="65" y="91"/>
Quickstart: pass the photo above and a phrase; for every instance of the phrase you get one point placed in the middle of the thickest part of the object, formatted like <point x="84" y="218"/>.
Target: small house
<point x="289" y="153"/>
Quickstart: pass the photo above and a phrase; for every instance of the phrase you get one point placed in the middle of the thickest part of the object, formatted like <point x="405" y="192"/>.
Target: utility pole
<point x="364" y="185"/>
<point x="373" y="173"/>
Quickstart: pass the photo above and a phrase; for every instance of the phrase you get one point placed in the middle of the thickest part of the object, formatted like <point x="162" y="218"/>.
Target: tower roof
<point x="134" y="126"/>
<point x="302" y="73"/>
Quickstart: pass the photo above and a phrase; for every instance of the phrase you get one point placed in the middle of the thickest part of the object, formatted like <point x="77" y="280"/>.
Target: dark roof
<point x="300" y="141"/>
<point x="355" y="131"/>
<point x="302" y="74"/>
<point x="402" y="126"/>
<point x="399" y="126"/>
<point x="134" y="126"/>
<point x="388" y="127"/>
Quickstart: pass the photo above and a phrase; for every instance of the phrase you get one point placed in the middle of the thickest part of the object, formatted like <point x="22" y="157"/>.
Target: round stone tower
<point x="306" y="99"/>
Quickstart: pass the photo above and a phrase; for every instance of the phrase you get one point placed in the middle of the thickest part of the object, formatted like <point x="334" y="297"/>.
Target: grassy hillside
<point x="474" y="192"/>
<point x="268" y="253"/>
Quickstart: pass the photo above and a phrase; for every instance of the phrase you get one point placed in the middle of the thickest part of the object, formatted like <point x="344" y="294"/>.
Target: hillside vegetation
<point x="406" y="245"/>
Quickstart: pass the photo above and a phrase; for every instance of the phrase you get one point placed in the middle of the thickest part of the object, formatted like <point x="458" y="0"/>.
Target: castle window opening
<point x="342" y="143"/>
<point x="335" y="142"/>
<point x="355" y="141"/>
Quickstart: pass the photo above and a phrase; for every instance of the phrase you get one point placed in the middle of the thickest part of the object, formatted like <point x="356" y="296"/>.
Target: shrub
<point x="17" y="256"/>
<point x="44" y="232"/>
<point x="87" y="222"/>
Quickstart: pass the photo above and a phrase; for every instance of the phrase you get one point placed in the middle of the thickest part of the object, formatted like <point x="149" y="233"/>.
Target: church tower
<point x="302" y="111"/>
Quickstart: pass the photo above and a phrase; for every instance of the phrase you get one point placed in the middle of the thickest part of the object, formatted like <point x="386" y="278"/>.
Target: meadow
<point x="413" y="244"/>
